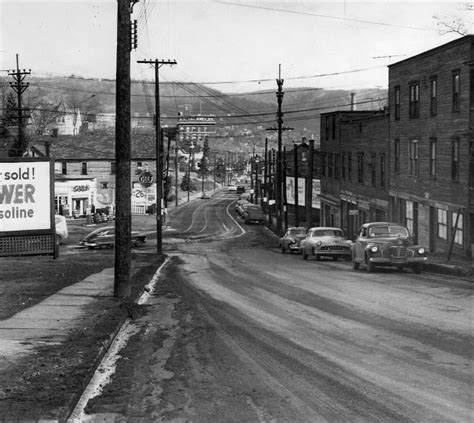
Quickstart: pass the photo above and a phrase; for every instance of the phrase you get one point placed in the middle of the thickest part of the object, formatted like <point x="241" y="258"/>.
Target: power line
<point x="324" y="16"/>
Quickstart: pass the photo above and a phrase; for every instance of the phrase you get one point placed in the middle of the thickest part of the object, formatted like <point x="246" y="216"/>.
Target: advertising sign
<point x="25" y="196"/>
<point x="146" y="179"/>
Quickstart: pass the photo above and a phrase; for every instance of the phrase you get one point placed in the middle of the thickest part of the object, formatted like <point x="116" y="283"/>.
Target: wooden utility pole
<point x="309" y="186"/>
<point x="159" y="151"/>
<point x="19" y="86"/>
<point x="279" y="179"/>
<point x="123" y="218"/>
<point x="265" y="177"/>
<point x="295" y="167"/>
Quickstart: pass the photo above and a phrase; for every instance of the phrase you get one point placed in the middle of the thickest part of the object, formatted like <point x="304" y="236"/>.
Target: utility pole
<point x="295" y="167"/>
<point x="279" y="196"/>
<point x="123" y="218"/>
<point x="159" y="151"/>
<point x="19" y="86"/>
<point x="285" y="200"/>
<point x="309" y="186"/>
<point x="176" y="172"/>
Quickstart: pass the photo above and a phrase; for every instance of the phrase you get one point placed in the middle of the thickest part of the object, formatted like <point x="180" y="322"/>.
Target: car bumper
<point x="397" y="260"/>
<point x="332" y="252"/>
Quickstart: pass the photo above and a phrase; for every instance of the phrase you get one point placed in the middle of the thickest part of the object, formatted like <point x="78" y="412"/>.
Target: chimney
<point x="353" y="100"/>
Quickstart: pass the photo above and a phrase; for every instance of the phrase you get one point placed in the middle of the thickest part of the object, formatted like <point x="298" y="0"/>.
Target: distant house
<point x="60" y="119"/>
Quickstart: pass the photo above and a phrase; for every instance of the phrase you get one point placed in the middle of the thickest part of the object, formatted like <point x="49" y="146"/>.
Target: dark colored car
<point x="253" y="213"/>
<point x="291" y="240"/>
<point x="240" y="189"/>
<point x="387" y="244"/>
<point x="105" y="238"/>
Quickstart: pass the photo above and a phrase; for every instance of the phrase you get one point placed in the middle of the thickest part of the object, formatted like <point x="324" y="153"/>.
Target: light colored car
<point x="231" y="188"/>
<point x="61" y="228"/>
<point x="387" y="244"/>
<point x="105" y="238"/>
<point x="291" y="240"/>
<point x="326" y="242"/>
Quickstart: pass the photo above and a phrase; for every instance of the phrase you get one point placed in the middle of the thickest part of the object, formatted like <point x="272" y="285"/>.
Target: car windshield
<point x="388" y="230"/>
<point x="297" y="231"/>
<point x="327" y="232"/>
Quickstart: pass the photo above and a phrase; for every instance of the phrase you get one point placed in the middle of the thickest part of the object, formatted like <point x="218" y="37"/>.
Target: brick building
<point x="354" y="171"/>
<point x="431" y="98"/>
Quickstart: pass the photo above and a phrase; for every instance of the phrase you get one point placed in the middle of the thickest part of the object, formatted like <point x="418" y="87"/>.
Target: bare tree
<point x="460" y="22"/>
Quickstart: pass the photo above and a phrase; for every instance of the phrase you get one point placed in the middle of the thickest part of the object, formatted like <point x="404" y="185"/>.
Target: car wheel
<point x="305" y="254"/>
<point x="400" y="268"/>
<point x="317" y="257"/>
<point x="417" y="267"/>
<point x="335" y="258"/>
<point x="370" y="266"/>
<point x="355" y="265"/>
<point x="347" y="258"/>
<point x="283" y="249"/>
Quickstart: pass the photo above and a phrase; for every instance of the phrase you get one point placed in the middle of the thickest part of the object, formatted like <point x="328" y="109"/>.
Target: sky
<point x="233" y="46"/>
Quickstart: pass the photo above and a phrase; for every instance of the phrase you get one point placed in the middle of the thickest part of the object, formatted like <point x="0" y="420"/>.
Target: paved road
<point x="240" y="332"/>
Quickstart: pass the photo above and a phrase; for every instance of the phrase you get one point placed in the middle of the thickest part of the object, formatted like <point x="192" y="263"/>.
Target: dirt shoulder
<point x="48" y="382"/>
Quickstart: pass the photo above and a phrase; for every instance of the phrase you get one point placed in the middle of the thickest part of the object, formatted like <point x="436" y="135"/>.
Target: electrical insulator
<point x="134" y="35"/>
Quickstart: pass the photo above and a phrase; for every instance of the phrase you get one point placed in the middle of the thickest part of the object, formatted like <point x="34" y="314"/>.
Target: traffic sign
<point x="146" y="179"/>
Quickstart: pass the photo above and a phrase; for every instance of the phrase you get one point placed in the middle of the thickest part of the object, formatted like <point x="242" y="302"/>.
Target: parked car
<point x="240" y="205"/>
<point x="253" y="213"/>
<point x="231" y="188"/>
<point x="61" y="228"/>
<point x="291" y="240"/>
<point x="387" y="244"/>
<point x="205" y="196"/>
<point x="326" y="242"/>
<point x="240" y="189"/>
<point x="105" y="238"/>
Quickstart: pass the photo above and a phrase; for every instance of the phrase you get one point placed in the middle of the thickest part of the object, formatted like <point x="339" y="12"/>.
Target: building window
<point x="337" y="159"/>
<point x="326" y="123"/>
<point x="64" y="168"/>
<point x="330" y="165"/>
<point x="459" y="229"/>
<point x="113" y="168"/>
<point x="455" y="160"/>
<point x="397" y="102"/>
<point x="349" y="166"/>
<point x="382" y="170"/>
<point x="433" y="157"/>
<point x="396" y="156"/>
<point x="105" y="185"/>
<point x="333" y="125"/>
<point x="343" y="165"/>
<point x="456" y="91"/>
<point x="442" y="224"/>
<point x="373" y="168"/>
<point x="414" y="100"/>
<point x="323" y="164"/>
<point x="413" y="157"/>
<point x="434" y="96"/>
<point x="83" y="168"/>
<point x="360" y="167"/>
<point x="409" y="216"/>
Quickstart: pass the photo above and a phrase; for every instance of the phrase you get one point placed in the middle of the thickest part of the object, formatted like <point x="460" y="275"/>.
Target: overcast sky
<point x="237" y="45"/>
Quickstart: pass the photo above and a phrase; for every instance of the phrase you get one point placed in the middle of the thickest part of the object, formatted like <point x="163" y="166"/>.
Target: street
<point x="235" y="331"/>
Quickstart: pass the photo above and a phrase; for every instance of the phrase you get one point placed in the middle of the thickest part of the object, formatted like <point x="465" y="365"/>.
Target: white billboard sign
<point x="25" y="196"/>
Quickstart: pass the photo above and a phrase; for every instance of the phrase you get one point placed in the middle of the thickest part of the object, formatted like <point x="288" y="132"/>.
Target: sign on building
<point x="26" y="207"/>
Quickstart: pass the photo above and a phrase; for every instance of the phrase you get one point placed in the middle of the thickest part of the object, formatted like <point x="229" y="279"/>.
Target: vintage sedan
<point x="104" y="237"/>
<point x="326" y="242"/>
<point x="387" y="244"/>
<point x="291" y="240"/>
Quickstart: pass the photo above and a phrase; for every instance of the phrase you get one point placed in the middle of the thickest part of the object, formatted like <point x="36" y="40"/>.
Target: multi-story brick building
<point x="354" y="174"/>
<point x="431" y="98"/>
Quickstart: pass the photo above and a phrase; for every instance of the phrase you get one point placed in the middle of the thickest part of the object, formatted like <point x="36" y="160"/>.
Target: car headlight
<point x="318" y="243"/>
<point x="421" y="250"/>
<point x="374" y="248"/>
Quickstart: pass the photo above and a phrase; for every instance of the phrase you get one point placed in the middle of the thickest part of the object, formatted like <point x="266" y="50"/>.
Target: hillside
<point x="241" y="117"/>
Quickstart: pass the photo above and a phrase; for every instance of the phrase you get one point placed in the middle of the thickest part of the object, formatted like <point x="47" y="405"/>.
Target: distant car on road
<point x="387" y="244"/>
<point x="105" y="238"/>
<point x="291" y="240"/>
<point x="240" y="189"/>
<point x="326" y="242"/>
<point x="231" y="188"/>
<point x="205" y="196"/>
<point x="61" y="228"/>
<point x="253" y="213"/>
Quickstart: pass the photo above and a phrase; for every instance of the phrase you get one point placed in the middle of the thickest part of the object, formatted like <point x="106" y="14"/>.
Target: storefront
<point x="74" y="197"/>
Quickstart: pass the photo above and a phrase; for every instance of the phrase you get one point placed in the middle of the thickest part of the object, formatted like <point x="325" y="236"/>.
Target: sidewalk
<point x="456" y="266"/>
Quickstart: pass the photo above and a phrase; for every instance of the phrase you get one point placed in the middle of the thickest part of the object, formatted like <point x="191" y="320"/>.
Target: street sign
<point x="146" y="179"/>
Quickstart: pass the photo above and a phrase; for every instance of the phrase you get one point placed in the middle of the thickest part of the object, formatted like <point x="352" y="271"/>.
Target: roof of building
<point x="94" y="147"/>
<point x="464" y="39"/>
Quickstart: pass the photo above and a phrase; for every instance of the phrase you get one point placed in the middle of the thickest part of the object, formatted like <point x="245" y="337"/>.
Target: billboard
<point x="25" y="195"/>
<point x="290" y="192"/>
